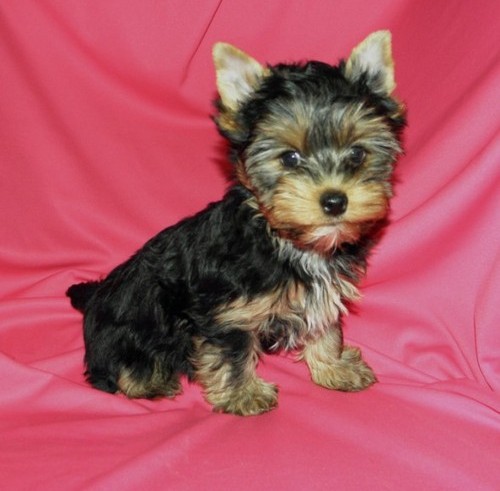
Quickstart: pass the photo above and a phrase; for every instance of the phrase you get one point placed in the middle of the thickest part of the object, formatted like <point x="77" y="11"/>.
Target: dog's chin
<point x="325" y="239"/>
<point x="329" y="237"/>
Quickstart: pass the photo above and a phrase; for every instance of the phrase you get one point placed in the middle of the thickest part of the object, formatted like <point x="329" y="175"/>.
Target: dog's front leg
<point x="225" y="367"/>
<point x="336" y="366"/>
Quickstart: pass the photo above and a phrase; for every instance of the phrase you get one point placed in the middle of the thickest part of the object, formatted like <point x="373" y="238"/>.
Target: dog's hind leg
<point x="149" y="384"/>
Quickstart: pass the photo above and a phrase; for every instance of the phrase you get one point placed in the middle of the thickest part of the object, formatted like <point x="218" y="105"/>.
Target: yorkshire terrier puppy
<point x="273" y="264"/>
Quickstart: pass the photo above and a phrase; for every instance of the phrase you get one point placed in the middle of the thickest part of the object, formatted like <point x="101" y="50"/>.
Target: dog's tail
<point x="81" y="293"/>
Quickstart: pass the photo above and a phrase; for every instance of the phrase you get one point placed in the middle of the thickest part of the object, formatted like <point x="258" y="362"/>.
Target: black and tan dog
<point x="272" y="265"/>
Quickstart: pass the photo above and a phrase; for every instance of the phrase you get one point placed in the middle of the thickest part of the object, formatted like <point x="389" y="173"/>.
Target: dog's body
<point x="272" y="265"/>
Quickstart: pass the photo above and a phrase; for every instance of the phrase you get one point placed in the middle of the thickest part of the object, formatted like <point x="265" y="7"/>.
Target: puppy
<point x="273" y="264"/>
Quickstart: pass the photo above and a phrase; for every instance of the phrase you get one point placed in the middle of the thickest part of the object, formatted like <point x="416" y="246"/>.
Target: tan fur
<point x="246" y="395"/>
<point x="357" y="124"/>
<point x="249" y="314"/>
<point x="226" y="121"/>
<point x="296" y="204"/>
<point x="367" y="201"/>
<point x="335" y="366"/>
<point x="158" y="385"/>
<point x="291" y="129"/>
<point x="310" y="312"/>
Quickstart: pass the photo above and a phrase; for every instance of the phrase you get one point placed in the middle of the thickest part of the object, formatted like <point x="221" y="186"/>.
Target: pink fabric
<point x="105" y="138"/>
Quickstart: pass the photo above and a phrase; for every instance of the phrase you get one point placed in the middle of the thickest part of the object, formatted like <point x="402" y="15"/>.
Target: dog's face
<point x="314" y="143"/>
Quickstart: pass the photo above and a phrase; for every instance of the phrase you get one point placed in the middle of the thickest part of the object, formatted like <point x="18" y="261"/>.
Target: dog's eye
<point x="290" y="159"/>
<point x="357" y="155"/>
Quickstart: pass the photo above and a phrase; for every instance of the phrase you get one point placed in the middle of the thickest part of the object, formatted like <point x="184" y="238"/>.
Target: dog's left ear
<point x="238" y="74"/>
<point x="372" y="58"/>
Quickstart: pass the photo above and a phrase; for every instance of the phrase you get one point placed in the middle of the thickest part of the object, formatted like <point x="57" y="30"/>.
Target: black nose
<point x="334" y="202"/>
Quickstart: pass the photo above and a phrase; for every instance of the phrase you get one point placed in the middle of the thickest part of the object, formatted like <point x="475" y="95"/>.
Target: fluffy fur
<point x="272" y="265"/>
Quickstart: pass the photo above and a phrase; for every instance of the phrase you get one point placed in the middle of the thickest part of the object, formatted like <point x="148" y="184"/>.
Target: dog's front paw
<point x="348" y="373"/>
<point x="252" y="398"/>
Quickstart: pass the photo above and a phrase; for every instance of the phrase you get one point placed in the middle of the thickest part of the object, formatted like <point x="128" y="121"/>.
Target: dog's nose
<point x="334" y="202"/>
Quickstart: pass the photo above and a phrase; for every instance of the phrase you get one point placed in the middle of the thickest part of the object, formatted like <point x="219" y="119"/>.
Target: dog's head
<point x="314" y="143"/>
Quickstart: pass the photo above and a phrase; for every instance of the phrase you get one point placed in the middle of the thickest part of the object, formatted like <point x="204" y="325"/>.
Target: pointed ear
<point x="373" y="59"/>
<point x="238" y="74"/>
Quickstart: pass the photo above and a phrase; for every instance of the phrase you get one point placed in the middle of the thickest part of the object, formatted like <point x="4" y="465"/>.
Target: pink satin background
<point x="105" y="138"/>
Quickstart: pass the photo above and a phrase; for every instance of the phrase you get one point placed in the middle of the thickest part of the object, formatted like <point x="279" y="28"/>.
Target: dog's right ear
<point x="238" y="74"/>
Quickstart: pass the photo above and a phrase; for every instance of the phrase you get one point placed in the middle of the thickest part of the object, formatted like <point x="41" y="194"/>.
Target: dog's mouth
<point x="323" y="238"/>
<point x="326" y="238"/>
